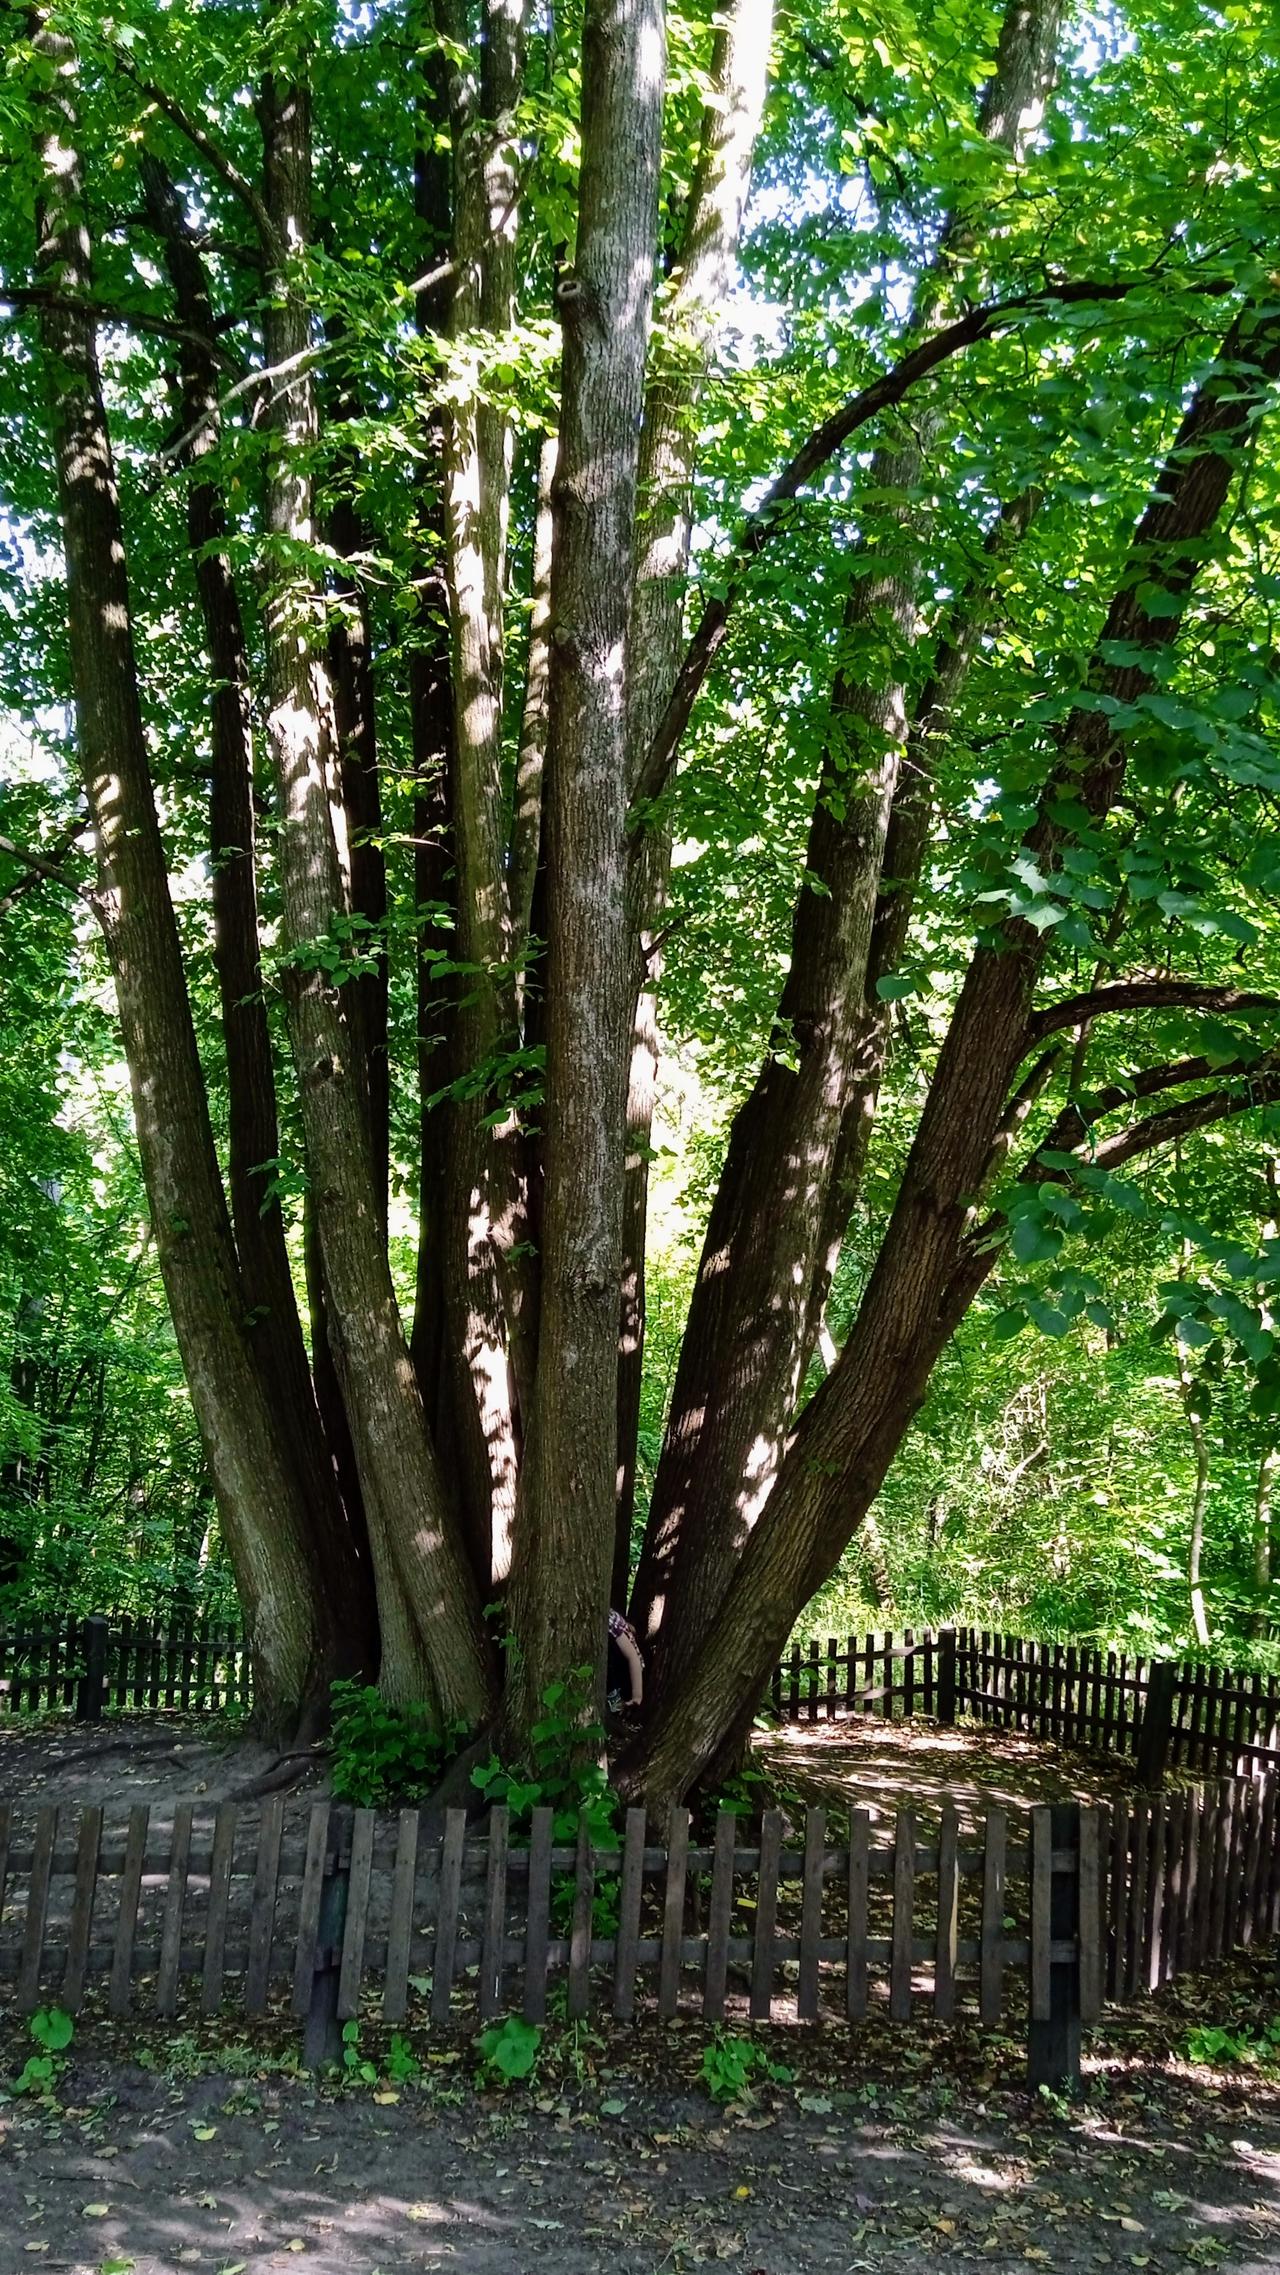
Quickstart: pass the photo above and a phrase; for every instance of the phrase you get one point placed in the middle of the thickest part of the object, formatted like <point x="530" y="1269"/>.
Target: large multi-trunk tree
<point x="421" y="391"/>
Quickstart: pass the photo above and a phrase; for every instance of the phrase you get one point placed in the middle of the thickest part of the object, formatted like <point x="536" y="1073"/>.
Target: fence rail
<point x="911" y="1918"/>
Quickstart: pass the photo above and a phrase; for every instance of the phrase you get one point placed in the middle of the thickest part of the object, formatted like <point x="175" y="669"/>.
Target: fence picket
<point x="215" y="1948"/>
<point x="766" y="1914"/>
<point x="37" y="1909"/>
<point x="309" y="1896"/>
<point x="627" y="1941"/>
<point x="904" y="1891"/>
<point x="584" y="1891"/>
<point x="856" y="1936"/>
<point x="395" y="1995"/>
<point x="448" y="1898"/>
<point x="815" y="1836"/>
<point x="538" y="1923"/>
<point x="489" y="1997"/>
<point x="1090" y="1915"/>
<point x="945" y="1946"/>
<point x="991" y="1962"/>
<point x="262" y="1917"/>
<point x="81" y="1923"/>
<point x="120" y="1991"/>
<point x="174" y="1908"/>
<point x="719" y="1915"/>
<point x="1041" y="1911"/>
<point x="673" y="1914"/>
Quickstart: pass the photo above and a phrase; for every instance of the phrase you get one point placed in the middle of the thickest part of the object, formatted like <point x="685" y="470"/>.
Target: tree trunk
<point x="802" y="1135"/>
<point x="253" y="1128"/>
<point x="419" y="1559"/>
<point x="565" y="1529"/>
<point x="264" y="1521"/>
<point x="356" y="733"/>
<point x="668" y="454"/>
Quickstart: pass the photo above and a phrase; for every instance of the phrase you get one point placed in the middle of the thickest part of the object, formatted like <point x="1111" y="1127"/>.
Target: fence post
<point x="91" y="1690"/>
<point x="322" y="2032"/>
<point x="1155" y="1734"/>
<point x="1053" y="2043"/>
<point x="946" y="1687"/>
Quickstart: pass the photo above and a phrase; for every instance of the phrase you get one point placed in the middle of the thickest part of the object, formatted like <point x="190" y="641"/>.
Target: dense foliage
<point x="949" y="891"/>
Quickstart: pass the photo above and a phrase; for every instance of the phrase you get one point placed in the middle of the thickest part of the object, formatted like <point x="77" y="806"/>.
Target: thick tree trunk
<point x="418" y="1555"/>
<point x="564" y="1540"/>
<point x="477" y="1204"/>
<point x="264" y="1520"/>
<point x="253" y="1127"/>
<point x="926" y="1272"/>
<point x="356" y="732"/>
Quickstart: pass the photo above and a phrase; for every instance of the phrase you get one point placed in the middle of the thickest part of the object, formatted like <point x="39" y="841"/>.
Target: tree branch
<point x="977" y="324"/>
<point x="1155" y="1130"/>
<point x="40" y="865"/>
<point x="24" y="298"/>
<point x="225" y="167"/>
<point x="1143" y="994"/>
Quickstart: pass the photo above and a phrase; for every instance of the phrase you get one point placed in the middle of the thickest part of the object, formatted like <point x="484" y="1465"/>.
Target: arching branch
<point x="1144" y="994"/>
<point x="980" y="323"/>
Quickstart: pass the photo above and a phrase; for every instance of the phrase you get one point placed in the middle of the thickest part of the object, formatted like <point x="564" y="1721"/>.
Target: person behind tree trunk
<point x="625" y="1679"/>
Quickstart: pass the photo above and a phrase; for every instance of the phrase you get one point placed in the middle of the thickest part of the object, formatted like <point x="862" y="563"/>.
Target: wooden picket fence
<point x="1203" y="1719"/>
<point x="99" y="1665"/>
<point x="1208" y="1720"/>
<point x="271" y="1903"/>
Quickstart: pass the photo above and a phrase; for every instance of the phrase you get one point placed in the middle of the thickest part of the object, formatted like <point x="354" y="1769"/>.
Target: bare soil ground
<point x="164" y="1759"/>
<point x="900" y="2156"/>
<point x="156" y="1759"/>
<point x="883" y="1766"/>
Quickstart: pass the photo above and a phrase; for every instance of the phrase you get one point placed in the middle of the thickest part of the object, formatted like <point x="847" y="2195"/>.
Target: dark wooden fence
<point x="1035" y="1913"/>
<point x="99" y="1665"/>
<point x="1204" y="1719"/>
<point x="1207" y="1720"/>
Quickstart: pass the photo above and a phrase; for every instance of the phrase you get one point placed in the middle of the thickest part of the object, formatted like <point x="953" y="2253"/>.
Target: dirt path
<point x="917" y="2156"/>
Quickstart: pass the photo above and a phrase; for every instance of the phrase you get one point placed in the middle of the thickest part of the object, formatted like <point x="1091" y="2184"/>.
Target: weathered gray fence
<point x="1036" y="1915"/>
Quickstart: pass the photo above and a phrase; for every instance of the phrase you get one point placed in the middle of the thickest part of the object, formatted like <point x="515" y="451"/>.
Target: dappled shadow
<point x="907" y="2152"/>
<point x="883" y="1766"/>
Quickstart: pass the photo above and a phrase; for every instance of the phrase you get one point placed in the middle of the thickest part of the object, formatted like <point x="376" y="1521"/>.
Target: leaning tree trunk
<point x="264" y="1518"/>
<point x="253" y="1136"/>
<point x="565" y="1523"/>
<point x="796" y="1140"/>
<point x="668" y="455"/>
<point x="928" y="1269"/>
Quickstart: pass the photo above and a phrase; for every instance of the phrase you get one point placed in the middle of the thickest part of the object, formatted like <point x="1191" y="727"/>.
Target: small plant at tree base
<point x="53" y="2032"/>
<point x="509" y="2050"/>
<point x="402" y="2064"/>
<point x="731" y="2066"/>
<point x="382" y="1754"/>
<point x="566" y="1774"/>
